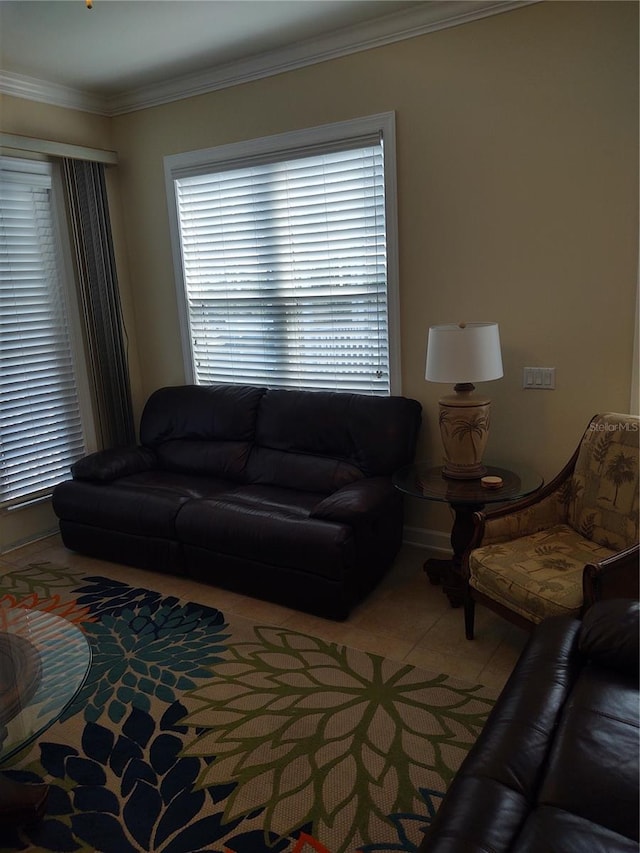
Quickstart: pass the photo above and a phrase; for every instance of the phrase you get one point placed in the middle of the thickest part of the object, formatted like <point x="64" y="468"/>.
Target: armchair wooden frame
<point x="616" y="576"/>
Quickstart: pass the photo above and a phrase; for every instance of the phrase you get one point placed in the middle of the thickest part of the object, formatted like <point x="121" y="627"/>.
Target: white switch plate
<point x="539" y="378"/>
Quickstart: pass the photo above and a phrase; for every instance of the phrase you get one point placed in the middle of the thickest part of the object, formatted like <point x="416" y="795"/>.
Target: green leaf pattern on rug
<point x="42" y="580"/>
<point x="313" y="732"/>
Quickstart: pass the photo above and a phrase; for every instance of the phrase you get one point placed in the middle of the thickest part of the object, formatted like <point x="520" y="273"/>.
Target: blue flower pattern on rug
<point x="158" y="806"/>
<point x="145" y="645"/>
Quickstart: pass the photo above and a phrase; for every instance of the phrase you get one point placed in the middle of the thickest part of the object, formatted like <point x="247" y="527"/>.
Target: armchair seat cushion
<point x="538" y="575"/>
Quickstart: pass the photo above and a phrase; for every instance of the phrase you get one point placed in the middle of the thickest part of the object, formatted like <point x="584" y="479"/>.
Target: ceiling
<point x="123" y="54"/>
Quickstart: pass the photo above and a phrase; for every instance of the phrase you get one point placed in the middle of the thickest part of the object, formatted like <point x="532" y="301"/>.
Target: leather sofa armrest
<point x="610" y="635"/>
<point x="106" y="465"/>
<point x="357" y="500"/>
<point x="493" y="791"/>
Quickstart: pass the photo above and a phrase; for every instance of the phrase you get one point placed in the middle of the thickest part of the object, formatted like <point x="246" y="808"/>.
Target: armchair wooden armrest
<point x="537" y="511"/>
<point x="613" y="577"/>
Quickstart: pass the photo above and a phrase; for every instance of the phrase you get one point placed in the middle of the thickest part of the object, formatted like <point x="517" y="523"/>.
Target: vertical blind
<point x="285" y="271"/>
<point x="40" y="426"/>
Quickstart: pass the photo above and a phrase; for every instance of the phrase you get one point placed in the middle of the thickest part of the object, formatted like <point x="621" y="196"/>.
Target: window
<point x="285" y="261"/>
<point x="41" y="431"/>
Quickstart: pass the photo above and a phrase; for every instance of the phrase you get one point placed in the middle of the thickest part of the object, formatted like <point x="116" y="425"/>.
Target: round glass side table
<point x="44" y="661"/>
<point x="425" y="480"/>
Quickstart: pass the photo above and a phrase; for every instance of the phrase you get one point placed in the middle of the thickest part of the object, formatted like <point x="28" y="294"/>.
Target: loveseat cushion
<point x="206" y="412"/>
<point x="270" y="525"/>
<point x="202" y="429"/>
<point x="323" y="440"/>
<point x="299" y="471"/>
<point x="144" y="504"/>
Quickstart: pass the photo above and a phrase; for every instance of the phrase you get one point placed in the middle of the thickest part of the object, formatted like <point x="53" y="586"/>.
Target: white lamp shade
<point x="466" y="352"/>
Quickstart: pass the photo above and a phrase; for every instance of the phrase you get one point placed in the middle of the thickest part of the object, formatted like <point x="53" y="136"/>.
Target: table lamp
<point x="464" y="353"/>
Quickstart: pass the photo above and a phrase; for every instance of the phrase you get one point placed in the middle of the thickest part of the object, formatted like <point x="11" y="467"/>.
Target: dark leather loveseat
<point x="556" y="765"/>
<point x="284" y="495"/>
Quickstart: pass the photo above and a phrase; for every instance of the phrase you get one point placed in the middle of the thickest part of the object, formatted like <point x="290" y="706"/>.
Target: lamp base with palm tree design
<point x="464" y="428"/>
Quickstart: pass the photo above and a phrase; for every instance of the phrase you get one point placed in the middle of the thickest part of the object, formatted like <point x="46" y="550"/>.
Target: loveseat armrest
<point x="356" y="501"/>
<point x="106" y="465"/>
<point x="613" y="577"/>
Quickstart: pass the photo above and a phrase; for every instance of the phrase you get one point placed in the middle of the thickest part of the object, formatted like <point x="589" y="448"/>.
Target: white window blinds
<point x="40" y="426"/>
<point x="285" y="270"/>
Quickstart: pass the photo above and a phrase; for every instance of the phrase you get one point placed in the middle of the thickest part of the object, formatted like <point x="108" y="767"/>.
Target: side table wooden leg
<point x="453" y="582"/>
<point x="435" y="569"/>
<point x="453" y="586"/>
<point x="442" y="572"/>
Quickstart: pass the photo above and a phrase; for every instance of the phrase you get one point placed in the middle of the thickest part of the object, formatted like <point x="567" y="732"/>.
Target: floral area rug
<point x="200" y="731"/>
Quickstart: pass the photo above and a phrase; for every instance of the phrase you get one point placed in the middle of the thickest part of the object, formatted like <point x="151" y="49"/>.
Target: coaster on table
<point x="491" y="482"/>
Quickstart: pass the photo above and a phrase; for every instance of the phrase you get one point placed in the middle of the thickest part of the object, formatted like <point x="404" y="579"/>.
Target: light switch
<point x="539" y="378"/>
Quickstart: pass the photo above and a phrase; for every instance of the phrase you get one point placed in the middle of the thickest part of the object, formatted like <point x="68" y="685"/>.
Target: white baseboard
<point x="27" y="540"/>
<point x="433" y="540"/>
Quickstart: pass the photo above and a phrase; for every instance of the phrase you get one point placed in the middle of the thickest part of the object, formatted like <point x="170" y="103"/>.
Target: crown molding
<point x="429" y="17"/>
<point x="33" y="89"/>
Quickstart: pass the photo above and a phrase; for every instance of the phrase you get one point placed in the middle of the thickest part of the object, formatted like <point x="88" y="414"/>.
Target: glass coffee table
<point x="44" y="661"/>
<point x="425" y="480"/>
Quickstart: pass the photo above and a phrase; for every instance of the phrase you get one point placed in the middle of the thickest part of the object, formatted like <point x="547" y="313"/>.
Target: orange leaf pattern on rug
<point x="306" y="841"/>
<point x="69" y="610"/>
<point x="45" y="586"/>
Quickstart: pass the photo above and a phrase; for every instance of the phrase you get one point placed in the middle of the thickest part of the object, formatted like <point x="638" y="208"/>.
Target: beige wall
<point x="517" y="197"/>
<point x="517" y="140"/>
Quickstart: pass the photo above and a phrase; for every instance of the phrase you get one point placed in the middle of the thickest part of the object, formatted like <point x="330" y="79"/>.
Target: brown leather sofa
<point x="284" y="495"/>
<point x="556" y="765"/>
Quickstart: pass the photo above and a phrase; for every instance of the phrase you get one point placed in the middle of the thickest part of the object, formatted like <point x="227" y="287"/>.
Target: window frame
<point x="278" y="147"/>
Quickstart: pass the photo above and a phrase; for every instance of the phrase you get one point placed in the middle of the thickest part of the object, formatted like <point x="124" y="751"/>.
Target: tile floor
<point x="405" y="618"/>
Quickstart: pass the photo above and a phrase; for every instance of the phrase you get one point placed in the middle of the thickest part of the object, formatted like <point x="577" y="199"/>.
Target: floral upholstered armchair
<point x="572" y="543"/>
